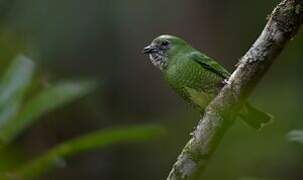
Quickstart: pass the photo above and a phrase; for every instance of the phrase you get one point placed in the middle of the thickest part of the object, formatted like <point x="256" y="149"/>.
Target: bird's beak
<point x="149" y="49"/>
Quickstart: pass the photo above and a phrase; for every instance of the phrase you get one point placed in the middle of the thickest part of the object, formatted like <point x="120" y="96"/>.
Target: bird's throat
<point x="158" y="60"/>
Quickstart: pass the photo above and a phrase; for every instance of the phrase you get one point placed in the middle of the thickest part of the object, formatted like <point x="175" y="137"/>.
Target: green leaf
<point x="98" y="139"/>
<point x="296" y="136"/>
<point x="13" y="85"/>
<point x="16" y="79"/>
<point x="8" y="111"/>
<point x="45" y="101"/>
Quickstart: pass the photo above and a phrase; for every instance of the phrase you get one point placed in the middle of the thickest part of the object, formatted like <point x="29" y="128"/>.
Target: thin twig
<point x="282" y="25"/>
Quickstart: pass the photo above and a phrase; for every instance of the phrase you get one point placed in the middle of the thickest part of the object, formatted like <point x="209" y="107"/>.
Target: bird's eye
<point x="164" y="43"/>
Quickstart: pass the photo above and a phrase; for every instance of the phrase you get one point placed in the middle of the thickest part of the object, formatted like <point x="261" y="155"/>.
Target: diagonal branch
<point x="282" y="25"/>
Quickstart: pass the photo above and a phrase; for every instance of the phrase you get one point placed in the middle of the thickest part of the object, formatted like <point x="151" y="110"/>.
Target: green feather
<point x="196" y="77"/>
<point x="209" y="64"/>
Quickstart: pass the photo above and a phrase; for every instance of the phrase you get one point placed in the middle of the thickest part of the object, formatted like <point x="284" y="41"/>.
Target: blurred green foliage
<point x="50" y="98"/>
<point x="18" y="113"/>
<point x="296" y="136"/>
<point x="98" y="139"/>
<point x="16" y="80"/>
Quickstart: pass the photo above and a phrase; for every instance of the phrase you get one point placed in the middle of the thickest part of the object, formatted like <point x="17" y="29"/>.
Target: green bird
<point x="196" y="77"/>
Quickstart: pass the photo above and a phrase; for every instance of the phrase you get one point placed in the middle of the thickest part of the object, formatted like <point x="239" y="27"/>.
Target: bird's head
<point x="163" y="48"/>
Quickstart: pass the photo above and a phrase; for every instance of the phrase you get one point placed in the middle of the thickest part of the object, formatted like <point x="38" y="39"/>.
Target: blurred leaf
<point x="13" y="85"/>
<point x="98" y="139"/>
<point x="45" y="101"/>
<point x="295" y="136"/>
<point x="16" y="79"/>
<point x="8" y="111"/>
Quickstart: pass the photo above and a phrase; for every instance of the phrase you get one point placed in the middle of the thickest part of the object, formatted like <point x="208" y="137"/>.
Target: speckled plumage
<point x="187" y="77"/>
<point x="196" y="77"/>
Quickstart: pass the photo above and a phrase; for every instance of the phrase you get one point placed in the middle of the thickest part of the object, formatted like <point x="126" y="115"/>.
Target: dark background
<point x="102" y="39"/>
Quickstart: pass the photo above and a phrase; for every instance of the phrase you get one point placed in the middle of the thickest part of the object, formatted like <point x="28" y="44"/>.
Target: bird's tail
<point x="254" y="117"/>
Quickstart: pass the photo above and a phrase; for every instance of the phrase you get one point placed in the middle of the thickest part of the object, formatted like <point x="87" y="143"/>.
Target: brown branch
<point x="282" y="25"/>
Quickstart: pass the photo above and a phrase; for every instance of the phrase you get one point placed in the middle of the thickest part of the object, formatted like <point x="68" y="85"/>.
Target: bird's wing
<point x="209" y="64"/>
